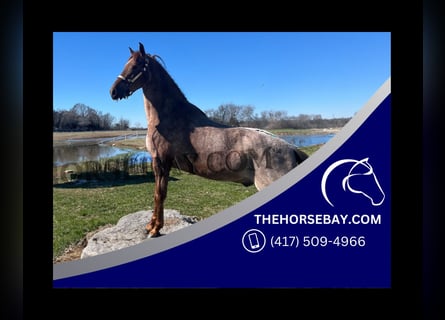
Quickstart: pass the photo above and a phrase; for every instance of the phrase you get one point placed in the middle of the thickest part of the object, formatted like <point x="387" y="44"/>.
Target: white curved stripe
<point x="326" y="175"/>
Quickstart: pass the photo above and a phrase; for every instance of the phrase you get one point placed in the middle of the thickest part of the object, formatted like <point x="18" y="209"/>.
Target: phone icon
<point x="253" y="239"/>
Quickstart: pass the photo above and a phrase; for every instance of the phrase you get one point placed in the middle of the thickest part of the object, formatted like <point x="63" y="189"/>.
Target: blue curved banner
<point x="326" y="224"/>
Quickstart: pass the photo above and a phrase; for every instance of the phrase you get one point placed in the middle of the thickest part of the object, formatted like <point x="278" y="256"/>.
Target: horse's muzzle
<point x="119" y="90"/>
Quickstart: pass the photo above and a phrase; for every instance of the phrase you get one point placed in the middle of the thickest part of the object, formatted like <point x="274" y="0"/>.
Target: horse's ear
<point x="131" y="50"/>
<point x="141" y="49"/>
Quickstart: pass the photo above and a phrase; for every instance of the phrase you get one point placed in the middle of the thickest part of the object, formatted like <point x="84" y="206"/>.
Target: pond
<point x="307" y="140"/>
<point x="91" y="152"/>
<point x="78" y="152"/>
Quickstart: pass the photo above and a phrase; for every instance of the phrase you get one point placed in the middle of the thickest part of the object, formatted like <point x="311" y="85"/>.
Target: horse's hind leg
<point x="161" y="173"/>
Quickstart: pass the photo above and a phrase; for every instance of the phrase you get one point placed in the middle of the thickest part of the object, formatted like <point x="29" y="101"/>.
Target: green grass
<point x="82" y="208"/>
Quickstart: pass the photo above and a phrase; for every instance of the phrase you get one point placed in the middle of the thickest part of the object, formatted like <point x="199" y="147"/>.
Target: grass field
<point x="59" y="136"/>
<point x="78" y="210"/>
<point x="81" y="208"/>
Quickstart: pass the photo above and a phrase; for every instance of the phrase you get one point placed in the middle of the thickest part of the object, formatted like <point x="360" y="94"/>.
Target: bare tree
<point x="122" y="124"/>
<point x="231" y="114"/>
<point x="106" y="121"/>
<point x="82" y="117"/>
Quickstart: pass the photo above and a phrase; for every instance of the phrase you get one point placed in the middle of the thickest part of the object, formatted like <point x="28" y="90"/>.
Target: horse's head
<point x="362" y="180"/>
<point x="133" y="76"/>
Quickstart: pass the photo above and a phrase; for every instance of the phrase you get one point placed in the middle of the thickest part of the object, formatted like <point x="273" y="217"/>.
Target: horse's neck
<point x="165" y="103"/>
<point x="150" y="113"/>
<point x="172" y="107"/>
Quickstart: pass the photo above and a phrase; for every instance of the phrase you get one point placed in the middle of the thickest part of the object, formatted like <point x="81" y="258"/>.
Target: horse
<point x="180" y="135"/>
<point x="360" y="179"/>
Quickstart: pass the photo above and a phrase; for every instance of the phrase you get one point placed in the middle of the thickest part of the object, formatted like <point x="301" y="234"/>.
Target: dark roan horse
<point x="180" y="135"/>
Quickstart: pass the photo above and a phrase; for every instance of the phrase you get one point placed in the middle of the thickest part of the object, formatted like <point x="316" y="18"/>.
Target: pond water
<point x="307" y="140"/>
<point x="92" y="152"/>
<point x="79" y="153"/>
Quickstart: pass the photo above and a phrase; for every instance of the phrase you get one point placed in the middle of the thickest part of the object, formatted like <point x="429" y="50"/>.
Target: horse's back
<point x="242" y="155"/>
<point x="279" y="158"/>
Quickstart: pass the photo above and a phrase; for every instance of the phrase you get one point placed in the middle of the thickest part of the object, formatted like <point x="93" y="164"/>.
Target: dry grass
<point x="60" y="136"/>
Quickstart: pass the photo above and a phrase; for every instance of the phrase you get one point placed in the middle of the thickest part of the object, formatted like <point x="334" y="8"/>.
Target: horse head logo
<point x="354" y="181"/>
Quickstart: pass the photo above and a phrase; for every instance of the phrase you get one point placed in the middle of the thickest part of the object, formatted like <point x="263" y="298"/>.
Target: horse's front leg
<point x="161" y="170"/>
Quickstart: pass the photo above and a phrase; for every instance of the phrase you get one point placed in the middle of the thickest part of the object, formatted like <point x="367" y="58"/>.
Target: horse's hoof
<point x="151" y="234"/>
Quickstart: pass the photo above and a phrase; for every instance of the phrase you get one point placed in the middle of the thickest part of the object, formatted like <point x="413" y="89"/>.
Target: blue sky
<point x="332" y="74"/>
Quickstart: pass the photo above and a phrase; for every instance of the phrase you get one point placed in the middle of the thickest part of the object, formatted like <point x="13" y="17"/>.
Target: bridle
<point x="132" y="80"/>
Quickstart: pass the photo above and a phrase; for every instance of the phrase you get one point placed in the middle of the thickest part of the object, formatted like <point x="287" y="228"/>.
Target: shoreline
<point x="80" y="135"/>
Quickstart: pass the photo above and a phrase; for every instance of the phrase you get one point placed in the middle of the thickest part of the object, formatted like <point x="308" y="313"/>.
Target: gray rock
<point x="130" y="230"/>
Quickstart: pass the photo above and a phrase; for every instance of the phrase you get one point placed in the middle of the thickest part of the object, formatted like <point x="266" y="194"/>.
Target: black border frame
<point x="405" y="296"/>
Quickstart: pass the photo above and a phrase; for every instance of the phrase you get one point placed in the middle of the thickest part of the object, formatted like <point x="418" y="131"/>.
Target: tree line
<point x="236" y="115"/>
<point x="84" y="118"/>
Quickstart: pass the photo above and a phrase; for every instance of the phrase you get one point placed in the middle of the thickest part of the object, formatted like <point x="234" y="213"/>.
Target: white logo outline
<point x="345" y="181"/>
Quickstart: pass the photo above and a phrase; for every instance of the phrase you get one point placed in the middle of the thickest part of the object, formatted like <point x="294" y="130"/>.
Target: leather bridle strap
<point x="138" y="75"/>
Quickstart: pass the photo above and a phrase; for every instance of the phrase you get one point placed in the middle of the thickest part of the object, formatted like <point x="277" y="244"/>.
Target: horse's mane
<point x="163" y="67"/>
<point x="193" y="110"/>
<point x="157" y="57"/>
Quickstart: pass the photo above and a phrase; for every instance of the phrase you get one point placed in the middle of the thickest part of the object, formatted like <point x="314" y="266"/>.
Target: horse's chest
<point x="167" y="143"/>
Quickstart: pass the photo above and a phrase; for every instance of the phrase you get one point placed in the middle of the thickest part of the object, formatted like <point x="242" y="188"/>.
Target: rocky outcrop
<point x="130" y="230"/>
